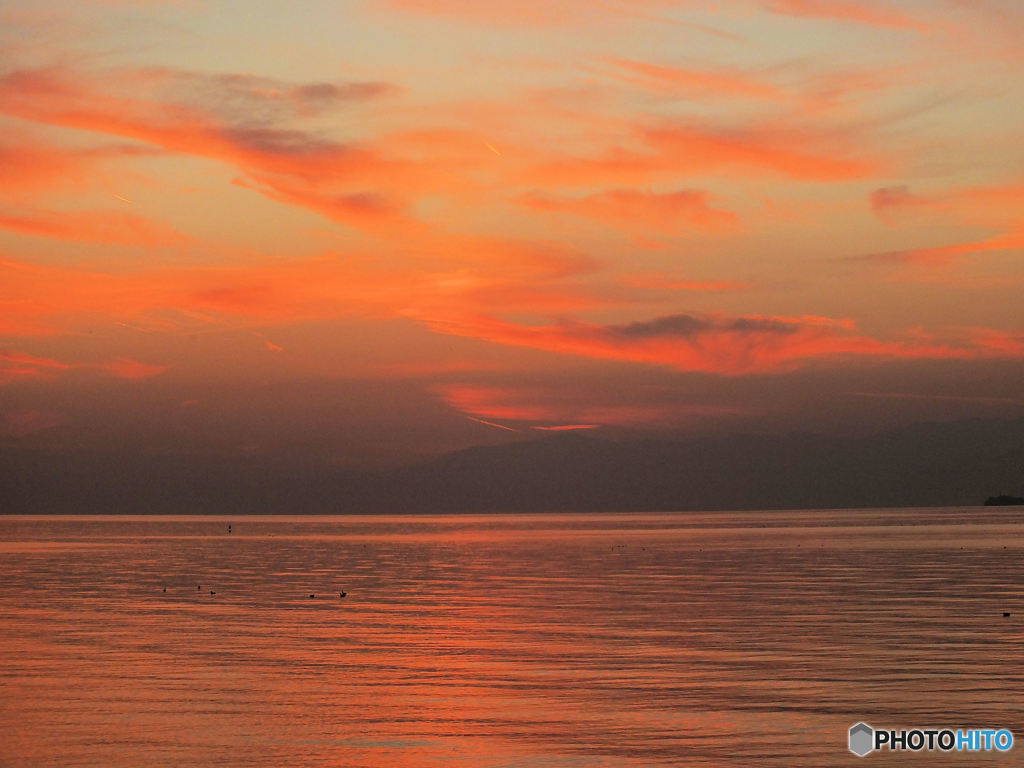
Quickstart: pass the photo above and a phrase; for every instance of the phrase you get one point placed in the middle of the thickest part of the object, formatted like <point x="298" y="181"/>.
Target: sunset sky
<point x="375" y="230"/>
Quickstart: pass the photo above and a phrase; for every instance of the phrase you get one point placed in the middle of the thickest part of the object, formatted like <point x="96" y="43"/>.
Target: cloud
<point x="493" y="403"/>
<point x="15" y="364"/>
<point x="664" y="283"/>
<point x="855" y="11"/>
<point x="889" y="202"/>
<point x="292" y="164"/>
<point x="995" y="205"/>
<point x="731" y="346"/>
<point x="670" y="212"/>
<point x="30" y="166"/>
<point x="564" y="12"/>
<point x="558" y="406"/>
<point x="945" y="255"/>
<point x="693" y="82"/>
<point x="112" y="227"/>
<point x="524" y="12"/>
<point x="566" y="427"/>
<point x="249" y="98"/>
<point x="125" y="368"/>
<point x="667" y="151"/>
<point x="451" y="275"/>
<point x="999" y="342"/>
<point x="988" y="206"/>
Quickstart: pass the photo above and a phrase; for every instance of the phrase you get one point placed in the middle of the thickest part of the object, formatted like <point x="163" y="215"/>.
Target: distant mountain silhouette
<point x="920" y="465"/>
<point x="933" y="464"/>
<point x="1004" y="501"/>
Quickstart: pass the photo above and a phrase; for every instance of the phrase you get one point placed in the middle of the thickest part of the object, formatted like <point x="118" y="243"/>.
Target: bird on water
<point x="342" y="594"/>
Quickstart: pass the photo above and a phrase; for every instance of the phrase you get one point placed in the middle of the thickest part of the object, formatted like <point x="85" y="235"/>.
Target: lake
<point x="710" y="639"/>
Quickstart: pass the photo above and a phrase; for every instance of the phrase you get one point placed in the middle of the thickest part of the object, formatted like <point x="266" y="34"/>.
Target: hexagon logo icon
<point x="862" y="739"/>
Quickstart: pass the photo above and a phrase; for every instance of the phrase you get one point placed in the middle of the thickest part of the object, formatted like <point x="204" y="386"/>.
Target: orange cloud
<point x="524" y="12"/>
<point x="20" y="362"/>
<point x="561" y="408"/>
<point x="946" y="255"/>
<point x="30" y="167"/>
<point x="998" y="206"/>
<point x="670" y="212"/>
<point x="27" y="165"/>
<point x="795" y="153"/>
<point x="856" y="11"/>
<point x="667" y="151"/>
<point x="493" y="403"/>
<point x="280" y="160"/>
<point x="691" y="81"/>
<point x="661" y="282"/>
<point x="545" y="12"/>
<point x="93" y="226"/>
<point x="1000" y="343"/>
<point x="566" y="427"/>
<point x="492" y="273"/>
<point x="15" y="364"/>
<point x="125" y="368"/>
<point x="707" y="343"/>
<point x="366" y="211"/>
<point x="993" y="205"/>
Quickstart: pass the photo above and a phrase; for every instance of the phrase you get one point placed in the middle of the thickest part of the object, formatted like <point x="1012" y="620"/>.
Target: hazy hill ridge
<point x="926" y="464"/>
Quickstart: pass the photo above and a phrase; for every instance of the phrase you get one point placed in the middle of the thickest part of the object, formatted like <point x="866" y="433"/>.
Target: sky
<point x="369" y="231"/>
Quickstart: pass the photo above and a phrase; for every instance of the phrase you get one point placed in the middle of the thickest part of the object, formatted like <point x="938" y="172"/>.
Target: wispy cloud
<point x="692" y="82"/>
<point x="719" y="344"/>
<point x="658" y="151"/>
<point x="15" y="364"/>
<point x="112" y="227"/>
<point x="669" y="212"/>
<point x="874" y="14"/>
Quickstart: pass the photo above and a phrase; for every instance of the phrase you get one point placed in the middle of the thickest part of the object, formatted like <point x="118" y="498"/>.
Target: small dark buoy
<point x="342" y="594"/>
<point x="1005" y="614"/>
<point x="198" y="587"/>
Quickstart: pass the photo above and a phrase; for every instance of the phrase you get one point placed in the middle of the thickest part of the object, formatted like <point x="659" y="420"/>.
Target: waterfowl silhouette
<point x="312" y="595"/>
<point x="212" y="592"/>
<point x="342" y="594"/>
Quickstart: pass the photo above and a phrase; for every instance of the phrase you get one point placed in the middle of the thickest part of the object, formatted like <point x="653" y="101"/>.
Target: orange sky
<point x="546" y="214"/>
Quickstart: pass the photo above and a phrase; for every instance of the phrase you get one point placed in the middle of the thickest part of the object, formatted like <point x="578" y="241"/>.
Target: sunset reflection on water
<point x="485" y="641"/>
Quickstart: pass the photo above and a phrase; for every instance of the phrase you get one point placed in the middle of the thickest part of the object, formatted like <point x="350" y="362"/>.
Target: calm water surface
<point x="726" y="639"/>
